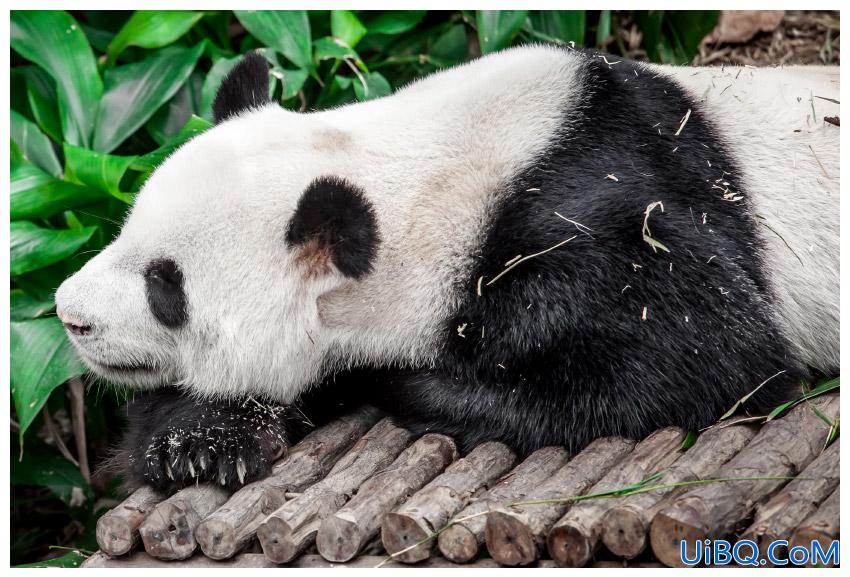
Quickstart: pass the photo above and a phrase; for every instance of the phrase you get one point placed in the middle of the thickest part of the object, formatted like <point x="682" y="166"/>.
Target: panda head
<point x="213" y="282"/>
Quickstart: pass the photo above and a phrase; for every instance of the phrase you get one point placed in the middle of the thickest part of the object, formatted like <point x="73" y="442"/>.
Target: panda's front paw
<point x="227" y="444"/>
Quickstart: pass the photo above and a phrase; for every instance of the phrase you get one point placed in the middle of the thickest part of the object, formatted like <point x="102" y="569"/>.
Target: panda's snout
<point x="73" y="325"/>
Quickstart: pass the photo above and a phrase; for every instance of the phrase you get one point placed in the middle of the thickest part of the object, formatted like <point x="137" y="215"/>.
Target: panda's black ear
<point x="245" y="87"/>
<point x="334" y="223"/>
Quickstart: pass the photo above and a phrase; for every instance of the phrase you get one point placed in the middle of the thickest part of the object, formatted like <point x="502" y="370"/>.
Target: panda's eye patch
<point x="164" y="288"/>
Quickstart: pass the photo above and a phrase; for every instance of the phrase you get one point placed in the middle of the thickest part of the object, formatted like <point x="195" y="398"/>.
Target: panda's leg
<point x="173" y="440"/>
<point x="469" y="412"/>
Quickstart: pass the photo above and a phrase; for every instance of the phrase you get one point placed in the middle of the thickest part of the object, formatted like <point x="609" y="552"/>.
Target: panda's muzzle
<point x="74" y="326"/>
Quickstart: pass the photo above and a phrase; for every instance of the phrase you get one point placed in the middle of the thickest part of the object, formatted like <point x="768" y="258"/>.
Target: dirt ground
<point x="762" y="38"/>
<point x="802" y="37"/>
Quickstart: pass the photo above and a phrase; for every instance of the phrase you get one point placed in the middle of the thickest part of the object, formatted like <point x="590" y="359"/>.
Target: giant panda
<point x="542" y="246"/>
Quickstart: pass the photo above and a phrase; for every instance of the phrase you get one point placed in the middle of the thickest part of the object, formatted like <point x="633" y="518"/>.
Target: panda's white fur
<point x="434" y="158"/>
<point x="773" y="122"/>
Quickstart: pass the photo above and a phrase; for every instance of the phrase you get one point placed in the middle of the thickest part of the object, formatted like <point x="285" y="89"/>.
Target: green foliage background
<point x="98" y="99"/>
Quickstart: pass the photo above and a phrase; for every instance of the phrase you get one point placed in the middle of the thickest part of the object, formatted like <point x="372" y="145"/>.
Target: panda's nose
<point x="73" y="325"/>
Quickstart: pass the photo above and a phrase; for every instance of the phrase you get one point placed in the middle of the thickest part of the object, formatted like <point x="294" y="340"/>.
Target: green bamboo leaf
<point x="176" y="112"/>
<point x="36" y="194"/>
<point x="214" y="78"/>
<point x="497" y="28"/>
<point x="373" y="85"/>
<point x="825" y="387"/>
<point x="329" y="48"/>
<point x="395" y="21"/>
<point x="33" y="247"/>
<point x="43" y="100"/>
<point x="68" y="560"/>
<point x="41" y="359"/>
<point x="24" y="307"/>
<point x="133" y="92"/>
<point x="603" y="29"/>
<point x="346" y="26"/>
<point x="151" y="29"/>
<point x="33" y="144"/>
<point x="287" y="31"/>
<point x="150" y="161"/>
<point x="688" y="28"/>
<point x="649" y="22"/>
<point x="53" y="40"/>
<point x="293" y="81"/>
<point x="99" y="171"/>
<point x="563" y="25"/>
<point x="45" y="467"/>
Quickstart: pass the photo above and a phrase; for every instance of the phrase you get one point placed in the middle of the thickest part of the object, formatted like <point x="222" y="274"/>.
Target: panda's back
<point x="606" y="238"/>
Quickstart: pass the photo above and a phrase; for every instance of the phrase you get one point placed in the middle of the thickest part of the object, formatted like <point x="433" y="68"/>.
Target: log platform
<point x="361" y="492"/>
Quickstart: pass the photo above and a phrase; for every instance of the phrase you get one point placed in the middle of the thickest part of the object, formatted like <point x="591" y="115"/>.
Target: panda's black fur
<point x="609" y="335"/>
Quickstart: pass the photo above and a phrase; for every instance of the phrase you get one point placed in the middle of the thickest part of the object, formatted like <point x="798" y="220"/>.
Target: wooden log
<point x="168" y="531"/>
<point x="432" y="507"/>
<point x="117" y="530"/>
<point x="230" y="528"/>
<point x="260" y="561"/>
<point x="782" y="448"/>
<point x="822" y="526"/>
<point x="462" y="540"/>
<point x="778" y="518"/>
<point x="515" y="535"/>
<point x="625" y="527"/>
<point x="289" y="530"/>
<point x="342" y="535"/>
<point x="573" y="539"/>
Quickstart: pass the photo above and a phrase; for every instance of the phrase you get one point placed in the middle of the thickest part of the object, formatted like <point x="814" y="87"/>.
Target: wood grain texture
<point x="573" y="540"/>
<point x="342" y="535"/>
<point x="168" y="532"/>
<point x="822" y="526"/>
<point x="230" y="528"/>
<point x="432" y="507"/>
<point x="779" y="517"/>
<point x="289" y="530"/>
<point x="117" y="530"/>
<point x="625" y="527"/>
<point x="462" y="541"/>
<point x="782" y="448"/>
<point x="516" y="535"/>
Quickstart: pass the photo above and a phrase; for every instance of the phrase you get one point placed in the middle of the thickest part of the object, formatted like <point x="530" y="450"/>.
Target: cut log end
<point x="672" y="526"/>
<point x="168" y="535"/>
<point x="803" y="537"/>
<point x="569" y="546"/>
<point x="274" y="536"/>
<point x="458" y="544"/>
<point x="114" y="535"/>
<point x="402" y="531"/>
<point x="624" y="532"/>
<point x="509" y="540"/>
<point x="338" y="539"/>
<point x="217" y="539"/>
